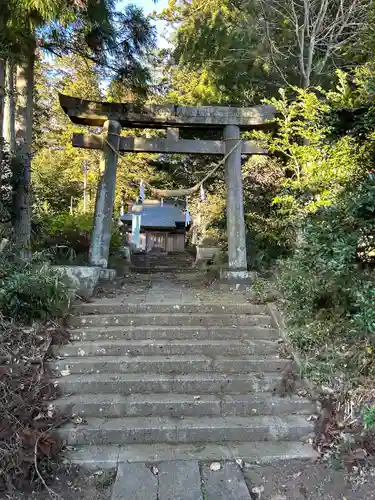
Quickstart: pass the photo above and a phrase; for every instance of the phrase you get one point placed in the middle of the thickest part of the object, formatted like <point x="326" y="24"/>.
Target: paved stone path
<point x="164" y="290"/>
<point x="191" y="480"/>
<point x="167" y="370"/>
<point x="186" y="480"/>
<point x="173" y="289"/>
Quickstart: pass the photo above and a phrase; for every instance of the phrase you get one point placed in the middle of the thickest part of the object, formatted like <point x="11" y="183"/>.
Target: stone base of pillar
<point x="107" y="274"/>
<point x="234" y="275"/>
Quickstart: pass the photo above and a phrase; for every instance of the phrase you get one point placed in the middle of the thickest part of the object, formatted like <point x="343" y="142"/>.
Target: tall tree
<point x="2" y="97"/>
<point x="23" y="19"/>
<point x="54" y="154"/>
<point x="9" y="106"/>
<point x="319" y="32"/>
<point x="3" y="54"/>
<point x="222" y="38"/>
<point x="114" y="41"/>
<point x="22" y="163"/>
<point x="255" y="47"/>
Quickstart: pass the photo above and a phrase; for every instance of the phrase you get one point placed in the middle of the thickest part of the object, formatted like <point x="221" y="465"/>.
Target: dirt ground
<point x="307" y="481"/>
<point x="285" y="481"/>
<point x="71" y="483"/>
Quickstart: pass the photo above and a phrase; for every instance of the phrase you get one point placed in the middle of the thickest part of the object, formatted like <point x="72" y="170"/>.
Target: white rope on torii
<point x="175" y="193"/>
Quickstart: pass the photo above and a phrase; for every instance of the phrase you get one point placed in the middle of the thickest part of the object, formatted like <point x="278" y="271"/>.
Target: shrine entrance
<point x="112" y="117"/>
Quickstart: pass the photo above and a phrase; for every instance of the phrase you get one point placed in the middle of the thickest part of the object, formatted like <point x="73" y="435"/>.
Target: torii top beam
<point x="131" y="115"/>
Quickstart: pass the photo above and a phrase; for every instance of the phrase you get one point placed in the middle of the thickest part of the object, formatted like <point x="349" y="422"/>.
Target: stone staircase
<point x="177" y="381"/>
<point x="153" y="262"/>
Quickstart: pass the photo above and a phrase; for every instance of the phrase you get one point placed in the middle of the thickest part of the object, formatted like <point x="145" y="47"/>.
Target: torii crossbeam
<point x="113" y="116"/>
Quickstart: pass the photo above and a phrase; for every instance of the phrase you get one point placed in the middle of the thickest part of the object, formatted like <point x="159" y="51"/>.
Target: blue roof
<point x="158" y="216"/>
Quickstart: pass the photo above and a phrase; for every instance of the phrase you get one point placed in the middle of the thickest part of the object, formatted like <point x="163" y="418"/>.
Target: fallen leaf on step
<point x="215" y="466"/>
<point x="155" y="470"/>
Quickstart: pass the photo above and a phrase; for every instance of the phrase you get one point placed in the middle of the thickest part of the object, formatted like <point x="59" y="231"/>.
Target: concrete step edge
<point x="174" y="332"/>
<point x="149" y="347"/>
<point x="187" y="328"/>
<point x="187" y="430"/>
<point x="257" y="453"/>
<point x="209" y="422"/>
<point x="157" y="376"/>
<point x="167" y="319"/>
<point x="115" y="405"/>
<point x="149" y="377"/>
<point x="147" y="342"/>
<point x="175" y="314"/>
<point x="177" y="397"/>
<point x="165" y="364"/>
<point x="99" y="308"/>
<point x="192" y="383"/>
<point x="168" y="359"/>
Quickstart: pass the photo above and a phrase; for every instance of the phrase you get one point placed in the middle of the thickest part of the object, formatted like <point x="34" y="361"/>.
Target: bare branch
<point x="319" y="28"/>
<point x="271" y="45"/>
<point x="300" y="36"/>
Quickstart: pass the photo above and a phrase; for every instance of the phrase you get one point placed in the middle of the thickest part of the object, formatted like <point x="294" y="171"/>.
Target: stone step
<point x="176" y="480"/>
<point x="182" y="405"/>
<point x="167" y="348"/>
<point x="154" y="269"/>
<point x="108" y="456"/>
<point x="146" y="430"/>
<point x="175" y="319"/>
<point x="174" y="333"/>
<point x="228" y="482"/>
<point x="109" y="306"/>
<point x="170" y="364"/>
<point x="194" y="383"/>
<point x="138" y="482"/>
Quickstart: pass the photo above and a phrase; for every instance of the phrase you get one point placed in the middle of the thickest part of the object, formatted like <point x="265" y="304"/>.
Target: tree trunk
<point x="2" y="96"/>
<point x="9" y="116"/>
<point x="306" y="80"/>
<point x="22" y="166"/>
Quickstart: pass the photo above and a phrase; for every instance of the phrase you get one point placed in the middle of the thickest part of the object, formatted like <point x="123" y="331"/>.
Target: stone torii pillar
<point x="101" y="233"/>
<point x="235" y="213"/>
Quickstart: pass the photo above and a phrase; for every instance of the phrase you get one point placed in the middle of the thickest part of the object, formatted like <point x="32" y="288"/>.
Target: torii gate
<point x="113" y="116"/>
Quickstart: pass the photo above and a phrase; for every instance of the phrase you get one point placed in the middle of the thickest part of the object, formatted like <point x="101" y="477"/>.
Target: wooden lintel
<point x="166" y="145"/>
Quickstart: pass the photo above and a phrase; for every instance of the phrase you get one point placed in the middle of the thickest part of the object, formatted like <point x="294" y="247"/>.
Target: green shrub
<point x="270" y="234"/>
<point x="309" y="165"/>
<point x="30" y="290"/>
<point x="329" y="285"/>
<point x="117" y="238"/>
<point x="209" y="241"/>
<point x="369" y="417"/>
<point x="68" y="237"/>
